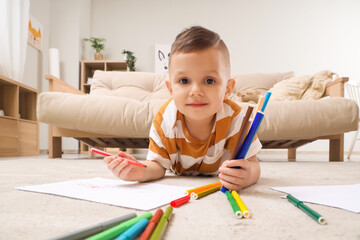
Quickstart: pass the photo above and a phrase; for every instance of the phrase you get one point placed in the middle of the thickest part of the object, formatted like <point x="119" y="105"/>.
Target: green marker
<point x="317" y="217"/>
<point x="233" y="204"/>
<point x="160" y="228"/>
<point x="119" y="229"/>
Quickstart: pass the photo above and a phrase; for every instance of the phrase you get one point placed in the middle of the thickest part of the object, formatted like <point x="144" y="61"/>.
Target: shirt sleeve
<point x="157" y="151"/>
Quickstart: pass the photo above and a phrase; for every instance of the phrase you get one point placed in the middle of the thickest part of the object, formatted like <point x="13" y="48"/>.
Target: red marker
<point x="132" y="162"/>
<point x="152" y="224"/>
<point x="180" y="201"/>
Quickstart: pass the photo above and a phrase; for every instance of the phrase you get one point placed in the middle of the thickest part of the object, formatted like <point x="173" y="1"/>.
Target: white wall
<point x="262" y="36"/>
<point x="65" y="23"/>
<point x="37" y="61"/>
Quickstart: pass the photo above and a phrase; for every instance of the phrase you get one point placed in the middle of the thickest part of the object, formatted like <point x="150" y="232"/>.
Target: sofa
<point x="119" y="110"/>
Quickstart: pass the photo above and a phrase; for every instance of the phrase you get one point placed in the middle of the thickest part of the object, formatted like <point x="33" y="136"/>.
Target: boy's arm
<point x="152" y="171"/>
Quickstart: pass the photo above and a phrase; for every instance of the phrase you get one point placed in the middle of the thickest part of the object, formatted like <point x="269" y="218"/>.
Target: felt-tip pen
<point x="132" y="162"/>
<point x="134" y="231"/>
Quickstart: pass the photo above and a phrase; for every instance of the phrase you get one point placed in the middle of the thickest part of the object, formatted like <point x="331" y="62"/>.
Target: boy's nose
<point x="196" y="90"/>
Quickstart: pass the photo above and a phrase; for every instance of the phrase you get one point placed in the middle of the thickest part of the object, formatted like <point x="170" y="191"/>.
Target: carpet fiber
<point x="28" y="215"/>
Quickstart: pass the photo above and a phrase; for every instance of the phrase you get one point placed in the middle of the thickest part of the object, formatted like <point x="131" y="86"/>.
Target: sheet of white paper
<point x="142" y="196"/>
<point x="346" y="197"/>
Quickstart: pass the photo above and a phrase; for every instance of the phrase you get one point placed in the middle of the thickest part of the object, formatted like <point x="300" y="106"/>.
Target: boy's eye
<point x="183" y="81"/>
<point x="209" y="81"/>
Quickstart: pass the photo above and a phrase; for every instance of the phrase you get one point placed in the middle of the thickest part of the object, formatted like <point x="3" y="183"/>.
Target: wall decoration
<point x="35" y="33"/>
<point x="162" y="54"/>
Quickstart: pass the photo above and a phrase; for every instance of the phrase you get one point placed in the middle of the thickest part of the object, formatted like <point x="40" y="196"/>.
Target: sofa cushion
<point x="261" y="81"/>
<point x="140" y="86"/>
<point x="308" y="119"/>
<point x="103" y="114"/>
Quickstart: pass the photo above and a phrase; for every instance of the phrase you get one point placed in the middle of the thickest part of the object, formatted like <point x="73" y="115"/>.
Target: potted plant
<point x="130" y="60"/>
<point x="98" y="45"/>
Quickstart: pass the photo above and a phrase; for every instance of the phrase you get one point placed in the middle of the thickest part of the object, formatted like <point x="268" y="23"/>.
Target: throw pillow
<point x="290" y="89"/>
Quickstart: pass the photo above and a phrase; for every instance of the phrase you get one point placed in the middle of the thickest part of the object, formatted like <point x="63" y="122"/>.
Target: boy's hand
<point x="232" y="178"/>
<point x="122" y="169"/>
<point x="237" y="179"/>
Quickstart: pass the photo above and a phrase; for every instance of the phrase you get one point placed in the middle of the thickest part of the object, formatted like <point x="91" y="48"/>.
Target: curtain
<point x="14" y="22"/>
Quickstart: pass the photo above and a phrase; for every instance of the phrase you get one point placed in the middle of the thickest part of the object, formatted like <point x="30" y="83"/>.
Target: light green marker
<point x="233" y="204"/>
<point x="119" y="229"/>
<point x="160" y="228"/>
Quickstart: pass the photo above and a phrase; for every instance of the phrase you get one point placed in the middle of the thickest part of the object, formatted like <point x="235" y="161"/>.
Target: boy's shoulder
<point x="167" y="113"/>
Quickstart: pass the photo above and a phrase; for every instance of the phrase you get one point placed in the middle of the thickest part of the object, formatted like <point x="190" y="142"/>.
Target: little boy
<point x="195" y="131"/>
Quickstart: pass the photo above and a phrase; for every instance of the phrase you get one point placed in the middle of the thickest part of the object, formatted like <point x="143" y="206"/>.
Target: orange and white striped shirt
<point x="174" y="148"/>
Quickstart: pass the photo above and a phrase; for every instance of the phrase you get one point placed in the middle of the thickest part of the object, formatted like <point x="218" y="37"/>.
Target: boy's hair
<point x="197" y="38"/>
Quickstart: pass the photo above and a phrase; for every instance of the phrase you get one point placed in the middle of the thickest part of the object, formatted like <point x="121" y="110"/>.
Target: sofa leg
<point x="336" y="148"/>
<point x="55" y="149"/>
<point x="291" y="154"/>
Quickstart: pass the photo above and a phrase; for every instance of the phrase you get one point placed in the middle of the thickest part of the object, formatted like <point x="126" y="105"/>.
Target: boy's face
<point x="199" y="83"/>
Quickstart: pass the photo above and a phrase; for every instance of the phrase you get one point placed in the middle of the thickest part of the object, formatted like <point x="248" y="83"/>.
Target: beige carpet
<point x="27" y="215"/>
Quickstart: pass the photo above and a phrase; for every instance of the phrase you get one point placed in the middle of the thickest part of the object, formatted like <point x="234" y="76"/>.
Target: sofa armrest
<point x="58" y="85"/>
<point x="336" y="88"/>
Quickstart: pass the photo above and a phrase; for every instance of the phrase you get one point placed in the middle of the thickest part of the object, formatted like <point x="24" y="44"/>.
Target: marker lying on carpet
<point x="134" y="231"/>
<point x="89" y="231"/>
<point x="233" y="204"/>
<point x="245" y="212"/>
<point x="205" y="192"/>
<point x="180" y="201"/>
<point x="132" y="162"/>
<point x="317" y="217"/>
<point x="152" y="224"/>
<point x="202" y="188"/>
<point x="111" y="233"/>
<point x="160" y="228"/>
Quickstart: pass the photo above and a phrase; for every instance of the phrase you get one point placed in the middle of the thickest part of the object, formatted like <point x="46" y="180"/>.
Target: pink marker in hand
<point x="132" y="162"/>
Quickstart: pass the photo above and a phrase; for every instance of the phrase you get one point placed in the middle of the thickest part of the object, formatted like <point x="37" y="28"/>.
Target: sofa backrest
<point x="141" y="86"/>
<point x="145" y="86"/>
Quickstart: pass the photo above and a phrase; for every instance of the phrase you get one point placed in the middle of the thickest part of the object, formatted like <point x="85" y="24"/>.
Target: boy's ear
<point x="229" y="87"/>
<point x="168" y="85"/>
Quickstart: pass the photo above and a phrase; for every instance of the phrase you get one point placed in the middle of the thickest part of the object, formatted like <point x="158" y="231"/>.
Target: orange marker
<point x="202" y="188"/>
<point x="152" y="224"/>
<point x="132" y="162"/>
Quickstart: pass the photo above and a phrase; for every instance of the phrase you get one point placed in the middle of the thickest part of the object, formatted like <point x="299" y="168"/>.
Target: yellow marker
<point x="241" y="204"/>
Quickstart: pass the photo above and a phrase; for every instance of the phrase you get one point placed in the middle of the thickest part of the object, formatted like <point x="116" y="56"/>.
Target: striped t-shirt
<point x="174" y="148"/>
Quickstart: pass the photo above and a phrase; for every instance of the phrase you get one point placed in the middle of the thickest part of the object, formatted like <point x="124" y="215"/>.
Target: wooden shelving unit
<point x="89" y="67"/>
<point x="19" y="128"/>
<point x="87" y="70"/>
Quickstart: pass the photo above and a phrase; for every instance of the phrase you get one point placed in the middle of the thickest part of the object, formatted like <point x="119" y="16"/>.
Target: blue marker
<point x="134" y="231"/>
<point x="241" y="152"/>
<point x="266" y="100"/>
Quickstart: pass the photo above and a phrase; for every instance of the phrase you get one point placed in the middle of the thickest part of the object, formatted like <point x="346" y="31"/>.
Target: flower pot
<point x="98" y="56"/>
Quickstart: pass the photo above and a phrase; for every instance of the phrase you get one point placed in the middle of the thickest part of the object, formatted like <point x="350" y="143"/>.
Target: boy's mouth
<point x="197" y="104"/>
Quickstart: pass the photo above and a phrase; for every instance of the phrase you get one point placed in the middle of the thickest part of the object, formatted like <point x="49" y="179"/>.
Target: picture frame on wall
<point x="35" y="33"/>
<point x="162" y="54"/>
